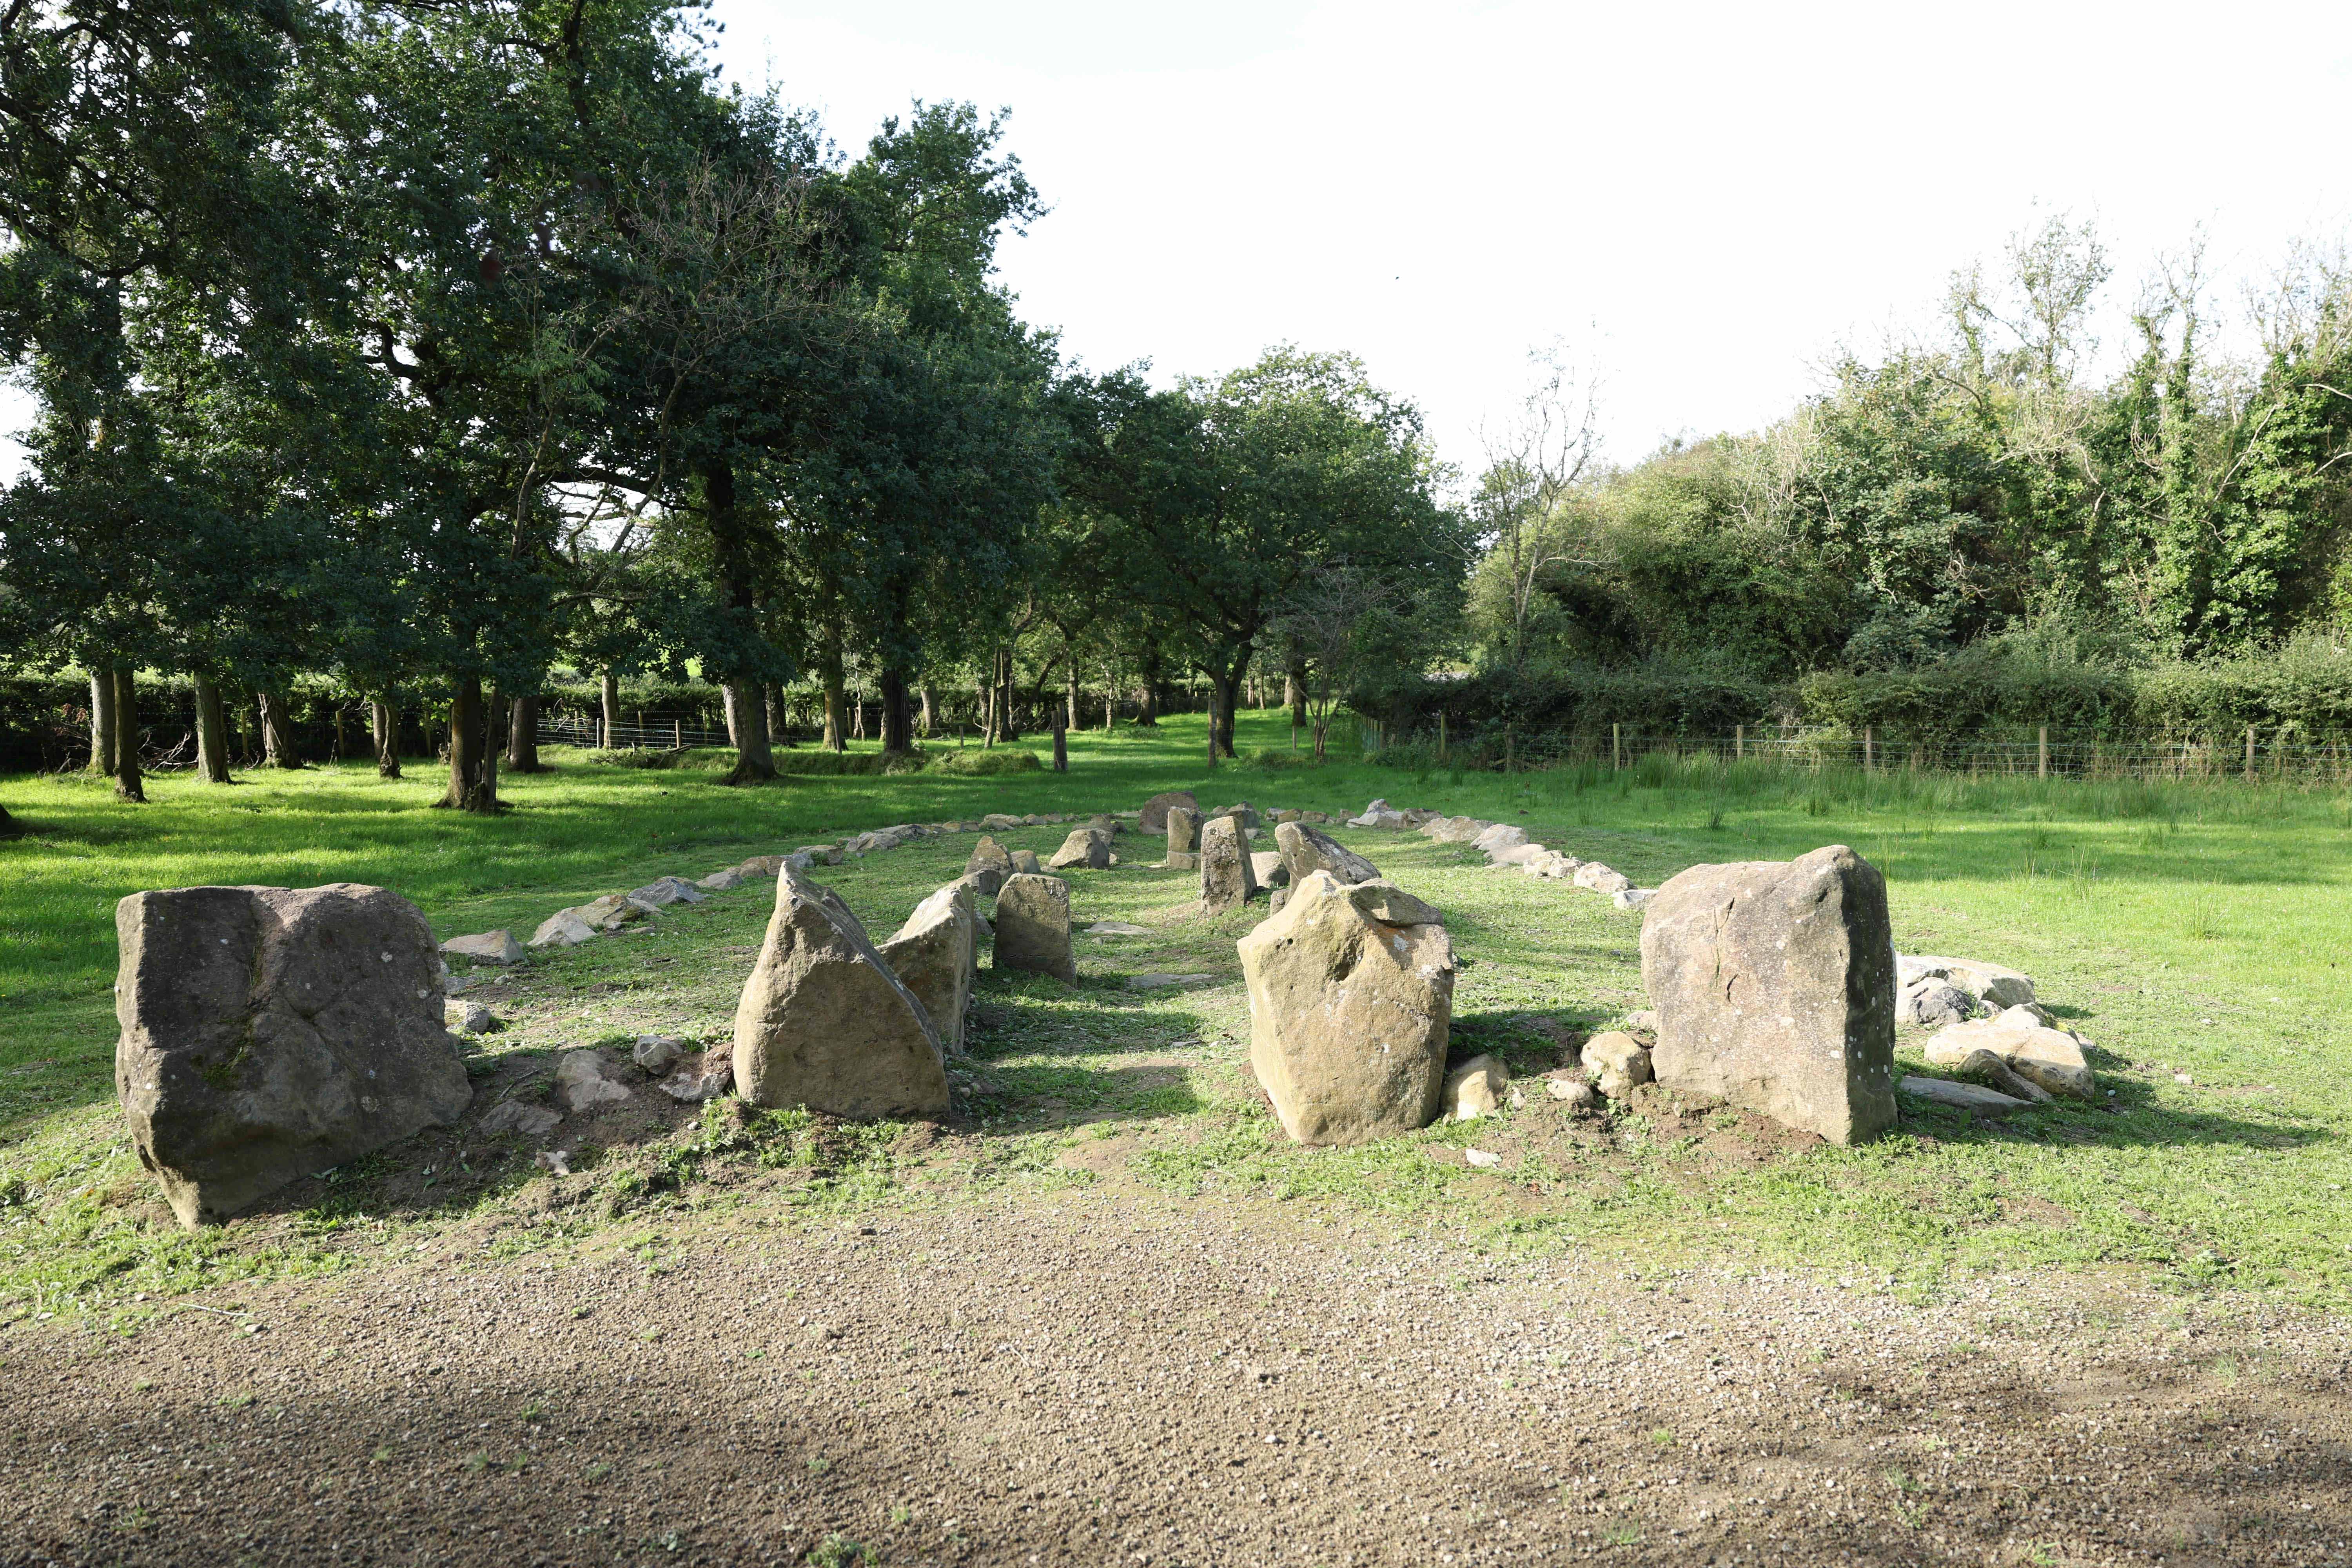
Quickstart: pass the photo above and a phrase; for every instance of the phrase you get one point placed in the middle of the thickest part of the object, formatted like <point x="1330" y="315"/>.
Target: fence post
<point x="1616" y="749"/>
<point x="2250" y="750"/>
<point x="1738" y="742"/>
<point x="1869" y="748"/>
<point x="1061" y="745"/>
<point x="2041" y="755"/>
<point x="1441" y="734"/>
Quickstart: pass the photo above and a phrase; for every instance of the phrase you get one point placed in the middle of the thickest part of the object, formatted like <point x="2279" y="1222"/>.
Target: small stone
<point x="558" y="1161"/>
<point x="1572" y="1088"/>
<point x="1959" y="1096"/>
<point x="721" y="881"/>
<point x="467" y="1017"/>
<point x="706" y="1077"/>
<point x="657" y="1053"/>
<point x="1485" y="1160"/>
<point x="1162" y="982"/>
<point x="487" y="947"/>
<point x="1024" y="863"/>
<point x="1934" y="1002"/>
<point x="1617" y="1062"/>
<point x="1592" y="874"/>
<point x="514" y="1116"/>
<point x="455" y="985"/>
<point x="581" y="1082"/>
<point x="1984" y="1067"/>
<point x="1116" y="928"/>
<point x="1474" y="1089"/>
<point x="564" y="928"/>
<point x="1088" y="848"/>
<point x="2035" y="1052"/>
<point x="1632" y="898"/>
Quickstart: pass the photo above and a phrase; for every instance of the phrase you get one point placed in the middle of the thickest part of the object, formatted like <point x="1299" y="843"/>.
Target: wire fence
<point x="2293" y="756"/>
<point x="650" y="732"/>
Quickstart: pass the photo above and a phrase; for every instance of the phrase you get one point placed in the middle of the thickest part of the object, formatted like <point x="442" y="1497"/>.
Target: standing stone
<point x="1156" y="809"/>
<point x="1033" y="927"/>
<point x="1267" y="869"/>
<point x="1087" y="847"/>
<point x="1774" y="986"/>
<point x="825" y="1023"/>
<point x="990" y="864"/>
<point x="1024" y="863"/>
<point x="269" y="1033"/>
<point x="1349" y="1011"/>
<point x="1183" y="831"/>
<point x="1306" y="851"/>
<point x="936" y="955"/>
<point x="1227" y="878"/>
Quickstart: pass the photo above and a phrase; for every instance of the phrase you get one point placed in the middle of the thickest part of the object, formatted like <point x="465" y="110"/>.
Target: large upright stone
<point x="1350" y="1004"/>
<point x="990" y="863"/>
<point x="1306" y="850"/>
<point x="1774" y="986"/>
<point x="1183" y="831"/>
<point x="825" y="1023"/>
<point x="1087" y="847"/>
<point x="269" y="1033"/>
<point x="1227" y="878"/>
<point x="1156" y="809"/>
<point x="936" y="955"/>
<point x="1033" y="927"/>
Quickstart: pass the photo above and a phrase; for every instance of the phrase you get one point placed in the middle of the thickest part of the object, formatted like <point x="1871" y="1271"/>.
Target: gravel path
<point x="1116" y="1376"/>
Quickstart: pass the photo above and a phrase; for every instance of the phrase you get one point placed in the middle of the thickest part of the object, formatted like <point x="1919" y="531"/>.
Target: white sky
<point x="1702" y="200"/>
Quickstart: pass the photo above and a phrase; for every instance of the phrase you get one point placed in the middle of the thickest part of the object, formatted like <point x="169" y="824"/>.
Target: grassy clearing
<point x="2198" y="930"/>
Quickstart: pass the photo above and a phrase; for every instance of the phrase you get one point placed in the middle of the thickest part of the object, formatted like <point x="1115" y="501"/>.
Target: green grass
<point x="2201" y="929"/>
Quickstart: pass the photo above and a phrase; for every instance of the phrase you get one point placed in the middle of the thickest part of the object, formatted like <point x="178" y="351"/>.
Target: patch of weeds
<point x="236" y="1401"/>
<point x="818" y="1464"/>
<point x="837" y="1551"/>
<point x="1664" y="1437"/>
<point x="383" y="1456"/>
<point x="477" y="1461"/>
<point x="1622" y="1534"/>
<point x="597" y="1471"/>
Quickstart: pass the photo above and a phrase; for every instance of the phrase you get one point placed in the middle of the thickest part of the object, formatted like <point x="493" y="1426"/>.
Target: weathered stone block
<point x="1033" y="927"/>
<point x="936" y="955"/>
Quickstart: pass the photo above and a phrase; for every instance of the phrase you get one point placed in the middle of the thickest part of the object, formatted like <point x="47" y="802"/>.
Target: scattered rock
<point x="1162" y="982"/>
<point x="1934" y="1002"/>
<point x="823" y="1021"/>
<point x="721" y="882"/>
<point x="514" y="1116"/>
<point x="988" y="864"/>
<point x="1982" y="1066"/>
<point x="489" y="947"/>
<point x="584" y="1080"/>
<point x="1592" y="874"/>
<point x="1085" y="847"/>
<point x="1960" y="1096"/>
<point x="456" y="984"/>
<point x="1774" y="984"/>
<point x="936" y="955"/>
<point x="2051" y="1058"/>
<point x="1989" y="983"/>
<point x="706" y="1077"/>
<point x="1267" y="868"/>
<point x="1498" y="836"/>
<point x="1484" y="1159"/>
<point x="270" y="1033"/>
<point x="1227" y="875"/>
<point x="657" y="1054"/>
<point x="1032" y="927"/>
<point x="1348" y="1013"/>
<point x="663" y="892"/>
<point x="1156" y="809"/>
<point x="1476" y="1089"/>
<point x="1644" y="1021"/>
<point x="564" y="928"/>
<point x="1024" y="863"/>
<point x="1116" y="928"/>
<point x="761" y="866"/>
<point x="1617" y="1062"/>
<point x="1571" y="1087"/>
<point x="1632" y="898"/>
<point x="558" y="1161"/>
<point x="1517" y="855"/>
<point x="1304" y="850"/>
<point x="1241" y="811"/>
<point x="609" y="913"/>
<point x="467" y="1018"/>
<point x="997" y="822"/>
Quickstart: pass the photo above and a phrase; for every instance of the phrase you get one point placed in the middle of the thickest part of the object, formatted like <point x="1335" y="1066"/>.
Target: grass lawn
<point x="2199" y="935"/>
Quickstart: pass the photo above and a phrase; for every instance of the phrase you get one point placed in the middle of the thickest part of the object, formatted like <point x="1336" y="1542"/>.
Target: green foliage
<point x="974" y="761"/>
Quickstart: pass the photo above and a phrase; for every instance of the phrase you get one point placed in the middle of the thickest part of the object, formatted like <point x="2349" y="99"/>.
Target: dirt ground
<point x="1110" y="1375"/>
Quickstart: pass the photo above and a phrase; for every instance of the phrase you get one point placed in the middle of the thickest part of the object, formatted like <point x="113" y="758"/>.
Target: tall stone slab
<point x="1033" y="927"/>
<point x="990" y="862"/>
<point x="936" y="955"/>
<point x="1183" y="831"/>
<point x="1351" y="995"/>
<point x="271" y="1033"/>
<point x="823" y="1021"/>
<point x="1774" y="986"/>
<point x="1227" y="878"/>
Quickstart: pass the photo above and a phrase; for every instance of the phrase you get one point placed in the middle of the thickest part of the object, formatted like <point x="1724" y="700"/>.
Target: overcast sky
<point x="1702" y="201"/>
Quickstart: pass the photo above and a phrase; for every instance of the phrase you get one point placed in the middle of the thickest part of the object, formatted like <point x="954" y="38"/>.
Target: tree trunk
<point x="612" y="698"/>
<point x="1061" y="749"/>
<point x="930" y="717"/>
<point x="279" y="749"/>
<point x="1006" y="730"/>
<point x="857" y="716"/>
<point x="1212" y="729"/>
<point x="898" y="720"/>
<point x="522" y="736"/>
<point x="471" y="786"/>
<point x="494" y="727"/>
<point x="780" y="718"/>
<point x="1147" y="712"/>
<point x="126" y="737"/>
<point x="212" y="731"/>
<point x="1294" y="688"/>
<point x="102" y="760"/>
<point x="988" y="706"/>
<point x="1228" y="697"/>
<point x="383" y="727"/>
<point x="1072" y="679"/>
<point x="9" y="826"/>
<point x="746" y="722"/>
